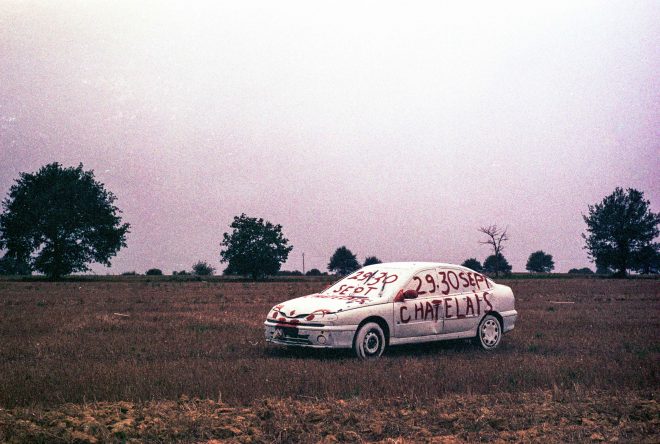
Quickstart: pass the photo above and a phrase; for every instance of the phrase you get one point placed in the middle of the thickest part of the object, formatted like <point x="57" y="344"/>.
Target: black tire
<point x="369" y="342"/>
<point x="489" y="333"/>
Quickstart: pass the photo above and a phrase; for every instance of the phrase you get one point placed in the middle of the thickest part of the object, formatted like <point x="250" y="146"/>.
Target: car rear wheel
<point x="369" y="341"/>
<point x="489" y="333"/>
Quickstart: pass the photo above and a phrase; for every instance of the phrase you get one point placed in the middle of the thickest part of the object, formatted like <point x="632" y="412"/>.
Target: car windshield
<point x="370" y="282"/>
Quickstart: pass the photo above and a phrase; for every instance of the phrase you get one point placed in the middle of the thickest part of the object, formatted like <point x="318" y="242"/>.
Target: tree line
<point x="59" y="220"/>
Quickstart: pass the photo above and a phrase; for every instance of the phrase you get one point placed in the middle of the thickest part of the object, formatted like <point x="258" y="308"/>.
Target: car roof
<point x="413" y="266"/>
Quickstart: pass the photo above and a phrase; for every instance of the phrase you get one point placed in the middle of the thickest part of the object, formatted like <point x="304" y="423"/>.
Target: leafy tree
<point x="372" y="260"/>
<point x="202" y="269"/>
<point x="58" y="220"/>
<point x="540" y="262"/>
<point x="255" y="247"/>
<point x="343" y="261"/>
<point x="154" y="272"/>
<point x="495" y="237"/>
<point x="648" y="259"/>
<point x="603" y="270"/>
<point x="584" y="270"/>
<point x="473" y="264"/>
<point x="313" y="272"/>
<point x="618" y="229"/>
<point x="12" y="266"/>
<point x="496" y="265"/>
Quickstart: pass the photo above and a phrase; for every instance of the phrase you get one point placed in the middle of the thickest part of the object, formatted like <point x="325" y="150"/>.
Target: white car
<point x="396" y="303"/>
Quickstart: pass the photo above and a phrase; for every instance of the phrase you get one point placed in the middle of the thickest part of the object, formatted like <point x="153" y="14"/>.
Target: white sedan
<point x="396" y="303"/>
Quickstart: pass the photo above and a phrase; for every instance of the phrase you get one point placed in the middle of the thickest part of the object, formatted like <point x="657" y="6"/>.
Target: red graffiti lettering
<point x="443" y="280"/>
<point x="436" y="303"/>
<point x="419" y="285"/>
<point x="490" y="306"/>
<point x="322" y="312"/>
<point x="478" y="278"/>
<point x="447" y="307"/>
<point x="419" y="309"/>
<point x="449" y="278"/>
<point x="476" y="296"/>
<point x="428" y="310"/>
<point x="466" y="282"/>
<point x="405" y="321"/>
<point x="346" y="289"/>
<point x="458" y="310"/>
<point x="469" y="307"/>
<point x="431" y="281"/>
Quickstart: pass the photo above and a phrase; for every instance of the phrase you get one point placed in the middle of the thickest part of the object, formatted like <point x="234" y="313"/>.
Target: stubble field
<point x="162" y="360"/>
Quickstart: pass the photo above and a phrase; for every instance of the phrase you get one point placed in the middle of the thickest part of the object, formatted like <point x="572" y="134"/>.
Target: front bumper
<point x="327" y="336"/>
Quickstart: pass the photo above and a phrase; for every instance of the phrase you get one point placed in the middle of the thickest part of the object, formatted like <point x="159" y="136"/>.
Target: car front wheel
<point x="489" y="334"/>
<point x="369" y="341"/>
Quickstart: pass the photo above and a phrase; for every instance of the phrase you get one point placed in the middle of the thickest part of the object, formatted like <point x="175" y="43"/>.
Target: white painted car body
<point x="448" y="302"/>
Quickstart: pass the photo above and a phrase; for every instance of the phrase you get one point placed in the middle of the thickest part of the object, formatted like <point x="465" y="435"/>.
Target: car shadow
<point x="447" y="347"/>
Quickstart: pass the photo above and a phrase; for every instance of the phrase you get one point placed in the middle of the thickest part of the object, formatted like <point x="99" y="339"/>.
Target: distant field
<point x="62" y="343"/>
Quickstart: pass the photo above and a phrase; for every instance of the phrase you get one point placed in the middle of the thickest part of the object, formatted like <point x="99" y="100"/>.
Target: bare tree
<point x="496" y="236"/>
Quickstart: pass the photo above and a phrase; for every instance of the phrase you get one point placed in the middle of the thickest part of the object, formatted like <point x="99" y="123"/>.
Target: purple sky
<point x="394" y="130"/>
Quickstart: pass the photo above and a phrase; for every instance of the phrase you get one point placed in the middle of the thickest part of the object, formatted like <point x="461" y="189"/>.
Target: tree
<point x="540" y="262"/>
<point x="648" y="259"/>
<point x="372" y="260"/>
<point x="619" y="228"/>
<point x="12" y="266"/>
<point x="255" y="247"/>
<point x="473" y="264"/>
<point x="495" y="238"/>
<point x="343" y="261"/>
<point x="201" y="268"/>
<point x="154" y="272"/>
<point x="58" y="220"/>
<point x="603" y="270"/>
<point x="497" y="264"/>
<point x="584" y="270"/>
<point x="313" y="272"/>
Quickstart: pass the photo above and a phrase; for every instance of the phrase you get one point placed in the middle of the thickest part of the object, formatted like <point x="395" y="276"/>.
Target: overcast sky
<point x="394" y="129"/>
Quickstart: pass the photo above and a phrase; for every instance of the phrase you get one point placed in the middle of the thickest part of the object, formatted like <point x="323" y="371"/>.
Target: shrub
<point x="473" y="264"/>
<point x="154" y="272"/>
<point x="540" y="262"/>
<point x="372" y="260"/>
<point x="343" y="261"/>
<point x="496" y="265"/>
<point x="202" y="269"/>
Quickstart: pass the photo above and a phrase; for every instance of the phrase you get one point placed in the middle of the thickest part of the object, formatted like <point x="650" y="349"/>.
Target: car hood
<point x="316" y="306"/>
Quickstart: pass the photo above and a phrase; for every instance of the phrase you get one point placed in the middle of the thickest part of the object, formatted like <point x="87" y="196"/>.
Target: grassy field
<point x="169" y="360"/>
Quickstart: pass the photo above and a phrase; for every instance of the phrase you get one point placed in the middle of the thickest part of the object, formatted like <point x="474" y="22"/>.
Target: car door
<point x="421" y="316"/>
<point x="464" y="298"/>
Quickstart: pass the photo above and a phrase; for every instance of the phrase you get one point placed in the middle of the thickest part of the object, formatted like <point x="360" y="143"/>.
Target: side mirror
<point x="410" y="294"/>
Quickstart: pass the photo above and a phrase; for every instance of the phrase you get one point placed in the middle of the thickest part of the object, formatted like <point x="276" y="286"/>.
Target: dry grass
<point x="62" y="343"/>
<point x="541" y="416"/>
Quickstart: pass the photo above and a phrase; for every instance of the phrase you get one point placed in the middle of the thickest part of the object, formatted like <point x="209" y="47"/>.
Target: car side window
<point x="457" y="281"/>
<point x="449" y="281"/>
<point x="425" y="283"/>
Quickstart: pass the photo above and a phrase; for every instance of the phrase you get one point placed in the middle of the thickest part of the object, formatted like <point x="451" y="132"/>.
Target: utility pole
<point x="303" y="263"/>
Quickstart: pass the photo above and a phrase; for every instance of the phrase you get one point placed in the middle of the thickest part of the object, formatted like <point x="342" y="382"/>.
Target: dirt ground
<point x="161" y="361"/>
